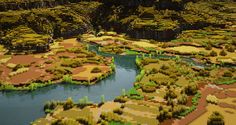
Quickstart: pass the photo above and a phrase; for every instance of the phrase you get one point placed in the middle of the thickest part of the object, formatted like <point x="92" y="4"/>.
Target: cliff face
<point x="160" y="19"/>
<point x="61" y="21"/>
<point x="34" y="4"/>
<point x="151" y="19"/>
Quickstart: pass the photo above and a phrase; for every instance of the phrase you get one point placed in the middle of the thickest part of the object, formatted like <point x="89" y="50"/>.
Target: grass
<point x="144" y="44"/>
<point x="88" y="74"/>
<point x="18" y="71"/>
<point x="229" y="118"/>
<point x="4" y="60"/>
<point x="131" y="52"/>
<point x="186" y="49"/>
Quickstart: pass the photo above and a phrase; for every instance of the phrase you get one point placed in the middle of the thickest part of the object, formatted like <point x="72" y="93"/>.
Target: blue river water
<point x="21" y="108"/>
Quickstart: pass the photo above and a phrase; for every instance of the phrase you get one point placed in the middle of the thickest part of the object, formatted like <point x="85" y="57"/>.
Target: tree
<point x="215" y="119"/>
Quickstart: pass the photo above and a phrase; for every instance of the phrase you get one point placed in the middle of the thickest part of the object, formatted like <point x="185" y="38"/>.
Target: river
<point x="21" y="108"/>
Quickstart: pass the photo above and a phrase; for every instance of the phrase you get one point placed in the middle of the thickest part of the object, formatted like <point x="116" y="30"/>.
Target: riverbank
<point x="174" y="91"/>
<point x="68" y="62"/>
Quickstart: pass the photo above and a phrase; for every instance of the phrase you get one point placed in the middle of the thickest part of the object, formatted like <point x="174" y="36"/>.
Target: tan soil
<point x="23" y="59"/>
<point x="201" y="108"/>
<point x="26" y="77"/>
<point x="226" y="105"/>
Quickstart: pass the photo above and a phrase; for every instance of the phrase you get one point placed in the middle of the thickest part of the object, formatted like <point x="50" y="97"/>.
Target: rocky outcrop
<point x="6" y="6"/>
<point x="165" y="35"/>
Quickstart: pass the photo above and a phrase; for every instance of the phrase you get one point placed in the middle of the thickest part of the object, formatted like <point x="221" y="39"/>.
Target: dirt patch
<point x="25" y="77"/>
<point x="229" y="112"/>
<point x="23" y="59"/>
<point x="167" y="122"/>
<point x="67" y="54"/>
<point x="226" y="105"/>
<point x="67" y="45"/>
<point x="78" y="70"/>
<point x="201" y="108"/>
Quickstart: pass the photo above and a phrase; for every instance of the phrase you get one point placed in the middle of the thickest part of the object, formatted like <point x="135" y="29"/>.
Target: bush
<point x="230" y="49"/>
<point x="228" y="74"/>
<point x="49" y="106"/>
<point x="191" y="89"/>
<point x="148" y="89"/>
<point x="118" y="111"/>
<point x="120" y="99"/>
<point x="71" y="63"/>
<point x="48" y="61"/>
<point x="223" y="53"/>
<point x="204" y="73"/>
<point x="164" y="67"/>
<point x="195" y="98"/>
<point x="182" y="99"/>
<point x="212" y="99"/>
<point x="68" y="104"/>
<point x="96" y="70"/>
<point x="213" y="53"/>
<point x="18" y="66"/>
<point x="177" y="110"/>
<point x="215" y="119"/>
<point x="170" y="94"/>
<point x="208" y="47"/>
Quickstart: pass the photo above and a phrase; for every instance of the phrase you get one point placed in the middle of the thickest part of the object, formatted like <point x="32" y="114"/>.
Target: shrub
<point x="177" y="110"/>
<point x="215" y="119"/>
<point x="11" y="65"/>
<point x="102" y="98"/>
<point x="213" y="53"/>
<point x="48" y="61"/>
<point x="71" y="63"/>
<point x="208" y="47"/>
<point x="68" y="104"/>
<point x="164" y="67"/>
<point x="182" y="99"/>
<point x="49" y="106"/>
<point x="228" y="74"/>
<point x="133" y="92"/>
<point x="19" y="71"/>
<point x="230" y="49"/>
<point x="18" y="66"/>
<point x="96" y="70"/>
<point x="191" y="89"/>
<point x="120" y="99"/>
<point x="204" y="73"/>
<point x="170" y="94"/>
<point x="212" y="99"/>
<point x="223" y="53"/>
<point x="118" y="111"/>
<point x="148" y="88"/>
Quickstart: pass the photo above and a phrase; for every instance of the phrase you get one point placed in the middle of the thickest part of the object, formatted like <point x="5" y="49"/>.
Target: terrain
<point x="184" y="49"/>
